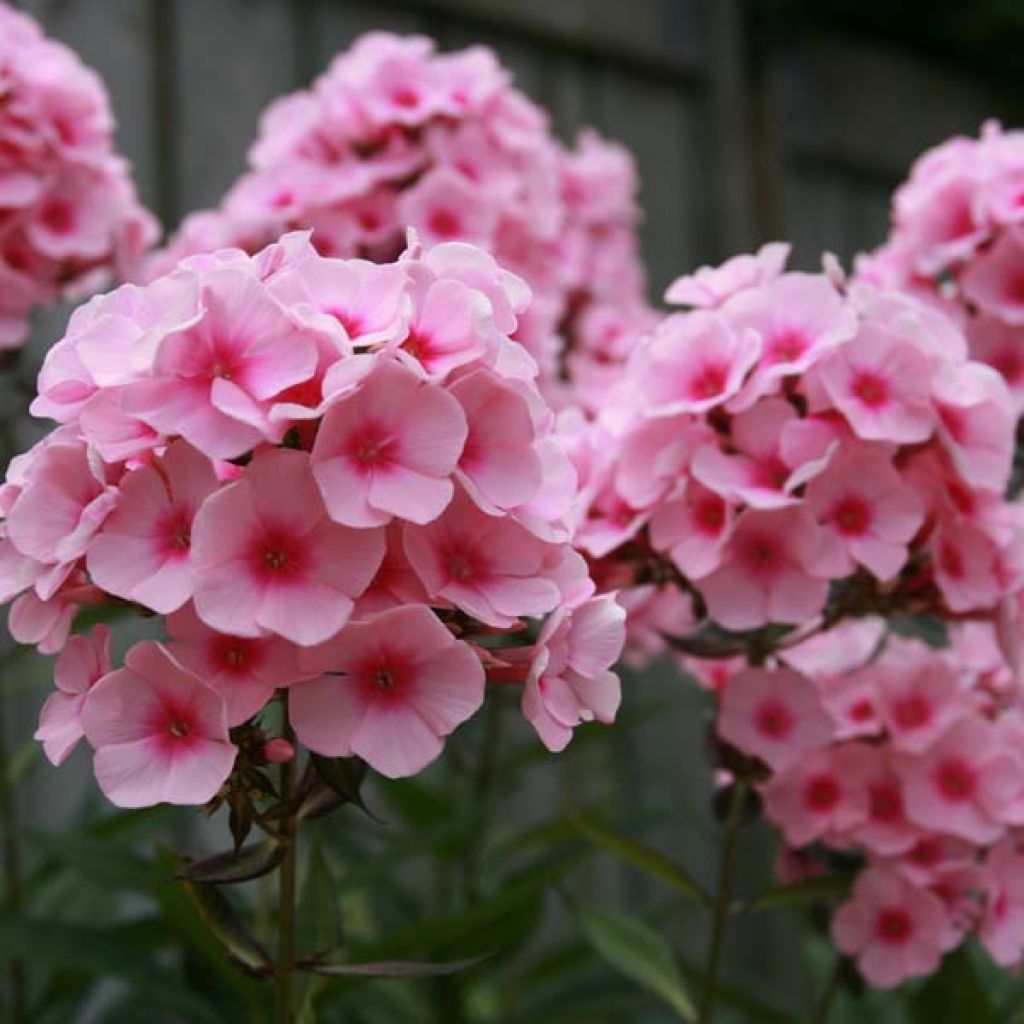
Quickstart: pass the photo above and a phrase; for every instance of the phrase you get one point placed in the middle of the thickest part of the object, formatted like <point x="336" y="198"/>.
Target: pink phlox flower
<point x="894" y="929"/>
<point x="160" y="733"/>
<point x="394" y="686"/>
<point x="570" y="679"/>
<point x="142" y="551"/>
<point x="776" y="715"/>
<point x="389" y="448"/>
<point x="83" y="661"/>
<point x="266" y="558"/>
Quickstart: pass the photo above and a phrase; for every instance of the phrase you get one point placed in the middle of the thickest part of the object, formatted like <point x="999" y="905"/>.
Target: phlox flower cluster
<point x="394" y="134"/>
<point x="957" y="240"/>
<point x="906" y="763"/>
<point x="69" y="215"/>
<point x="791" y="448"/>
<point x="330" y="477"/>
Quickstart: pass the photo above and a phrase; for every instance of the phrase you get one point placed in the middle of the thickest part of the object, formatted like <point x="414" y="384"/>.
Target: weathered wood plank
<point x="232" y="58"/>
<point x="872" y="108"/>
<point x="661" y="126"/>
<point x="653" y="37"/>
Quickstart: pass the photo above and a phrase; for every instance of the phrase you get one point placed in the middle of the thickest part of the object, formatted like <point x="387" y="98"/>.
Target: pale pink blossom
<point x="160" y="733"/>
<point x="267" y="558"/>
<point x="213" y="380"/>
<point x="692" y="362"/>
<point x="764" y="575"/>
<point x="244" y="670"/>
<point x="389" y="449"/>
<point x="489" y="567"/>
<point x="962" y="782"/>
<point x="919" y="698"/>
<point x="822" y="794"/>
<point x="83" y="661"/>
<point x="867" y="513"/>
<point x="570" y="679"/>
<point x="894" y="929"/>
<point x="994" y="280"/>
<point x="393" y="687"/>
<point x="711" y="286"/>
<point x="500" y="467"/>
<point x="142" y="551"/>
<point x="775" y="715"/>
<point x="881" y="384"/>
<point x="1002" y="927"/>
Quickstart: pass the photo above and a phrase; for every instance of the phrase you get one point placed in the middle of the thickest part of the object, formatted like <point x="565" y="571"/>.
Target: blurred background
<point x="749" y="121"/>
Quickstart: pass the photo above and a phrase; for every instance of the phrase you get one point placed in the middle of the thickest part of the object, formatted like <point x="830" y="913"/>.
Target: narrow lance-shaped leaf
<point x="231" y="867"/>
<point x="319" y="921"/>
<point x="643" y="857"/>
<point x="633" y="949"/>
<point x="229" y="929"/>
<point x="812" y="890"/>
<point x="390" y="968"/>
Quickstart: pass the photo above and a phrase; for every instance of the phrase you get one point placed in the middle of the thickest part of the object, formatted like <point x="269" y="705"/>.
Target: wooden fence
<point x="742" y="133"/>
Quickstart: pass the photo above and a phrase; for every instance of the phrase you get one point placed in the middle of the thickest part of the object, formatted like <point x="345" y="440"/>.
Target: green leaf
<point x="59" y="945"/>
<point x="231" y="867"/>
<point x="813" y="890"/>
<point x="319" y="920"/>
<point x="633" y="949"/>
<point x="643" y="857"/>
<point x="103" y="862"/>
<point x="345" y="775"/>
<point x="953" y="993"/>
<point x="390" y="968"/>
<point x="229" y="929"/>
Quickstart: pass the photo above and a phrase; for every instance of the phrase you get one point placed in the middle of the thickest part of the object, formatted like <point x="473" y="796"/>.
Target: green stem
<point x="283" y="1000"/>
<point x="830" y="995"/>
<point x="723" y="901"/>
<point x="12" y="870"/>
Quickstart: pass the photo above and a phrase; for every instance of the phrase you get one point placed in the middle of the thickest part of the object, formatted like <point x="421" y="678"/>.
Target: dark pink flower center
<point x="58" y="217"/>
<point x="276" y="556"/>
<point x="234" y="655"/>
<point x="709" y="382"/>
<point x="893" y="926"/>
<point x="925" y="853"/>
<point x="386" y="676"/>
<point x="1009" y="364"/>
<point x="175" y="533"/>
<point x="444" y="223"/>
<point x="352" y="322"/>
<point x="822" y="793"/>
<point x="852" y="515"/>
<point x="954" y="422"/>
<point x="862" y="711"/>
<point x="419" y="344"/>
<point x="871" y="389"/>
<point x="956" y="779"/>
<point x="462" y="564"/>
<point x="761" y="554"/>
<point x="174" y="725"/>
<point x="774" y="719"/>
<point x="709" y="514"/>
<point x="371" y="448"/>
<point x="786" y="347"/>
<point x="771" y="474"/>
<point x="405" y="96"/>
<point x="886" y="802"/>
<point x="951" y="562"/>
<point x="912" y="711"/>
